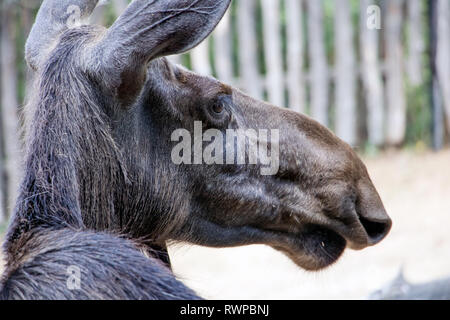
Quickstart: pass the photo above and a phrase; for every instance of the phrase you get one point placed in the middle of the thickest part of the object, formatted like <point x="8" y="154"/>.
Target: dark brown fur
<point x="100" y="185"/>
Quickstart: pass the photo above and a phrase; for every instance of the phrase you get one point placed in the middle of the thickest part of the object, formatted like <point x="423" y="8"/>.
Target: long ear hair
<point x="73" y="165"/>
<point x="54" y="17"/>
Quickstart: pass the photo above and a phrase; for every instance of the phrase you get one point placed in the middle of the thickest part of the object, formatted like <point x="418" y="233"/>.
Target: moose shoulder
<point x="100" y="184"/>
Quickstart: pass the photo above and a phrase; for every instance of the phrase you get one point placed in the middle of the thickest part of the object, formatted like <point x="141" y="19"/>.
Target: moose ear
<point x="54" y="17"/>
<point x="151" y="29"/>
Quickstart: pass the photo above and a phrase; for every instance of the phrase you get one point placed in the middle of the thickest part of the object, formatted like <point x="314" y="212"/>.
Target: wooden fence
<point x="363" y="68"/>
<point x="359" y="85"/>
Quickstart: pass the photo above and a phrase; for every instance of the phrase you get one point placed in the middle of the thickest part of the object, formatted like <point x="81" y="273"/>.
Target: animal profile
<point x="100" y="191"/>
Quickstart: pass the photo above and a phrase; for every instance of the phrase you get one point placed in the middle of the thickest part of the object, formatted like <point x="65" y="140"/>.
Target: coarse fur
<point x="100" y="187"/>
<point x="110" y="268"/>
<point x="49" y="233"/>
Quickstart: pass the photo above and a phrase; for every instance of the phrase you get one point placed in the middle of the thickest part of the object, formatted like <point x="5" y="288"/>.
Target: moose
<point x="101" y="194"/>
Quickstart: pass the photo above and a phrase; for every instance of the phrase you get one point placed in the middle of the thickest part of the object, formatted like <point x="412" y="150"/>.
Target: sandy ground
<point x="415" y="189"/>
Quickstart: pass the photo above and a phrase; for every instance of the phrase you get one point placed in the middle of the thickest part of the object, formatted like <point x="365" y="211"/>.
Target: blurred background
<point x="375" y="72"/>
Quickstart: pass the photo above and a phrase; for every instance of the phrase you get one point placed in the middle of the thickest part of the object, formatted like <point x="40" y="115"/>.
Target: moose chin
<point x="100" y="193"/>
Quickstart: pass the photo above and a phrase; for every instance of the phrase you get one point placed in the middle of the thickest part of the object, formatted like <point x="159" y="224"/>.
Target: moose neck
<point x="72" y="162"/>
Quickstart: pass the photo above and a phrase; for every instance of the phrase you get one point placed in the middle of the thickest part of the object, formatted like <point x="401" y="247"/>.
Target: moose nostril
<point x="376" y="230"/>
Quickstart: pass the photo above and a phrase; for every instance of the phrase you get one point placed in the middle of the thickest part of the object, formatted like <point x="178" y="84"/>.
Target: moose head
<point x="108" y="104"/>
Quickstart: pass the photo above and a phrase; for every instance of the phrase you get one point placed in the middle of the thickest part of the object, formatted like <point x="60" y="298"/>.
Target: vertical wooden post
<point x="395" y="91"/>
<point x="345" y="79"/>
<point x="371" y="77"/>
<point x="436" y="99"/>
<point x="296" y="84"/>
<point x="248" y="56"/>
<point x="318" y="60"/>
<point x="200" y="59"/>
<point x="223" y="50"/>
<point x="272" y="48"/>
<point x="98" y="15"/>
<point x="120" y="6"/>
<point x="9" y="103"/>
<point x="27" y="17"/>
<point x="175" y="59"/>
<point x="443" y="55"/>
<point x="416" y="42"/>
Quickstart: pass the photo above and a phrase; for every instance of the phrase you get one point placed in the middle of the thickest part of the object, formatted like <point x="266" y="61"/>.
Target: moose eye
<point x="218" y="111"/>
<point x="218" y="108"/>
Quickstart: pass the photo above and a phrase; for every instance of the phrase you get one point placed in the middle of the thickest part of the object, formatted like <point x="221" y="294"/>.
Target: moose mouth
<point x="311" y="245"/>
<point x="313" y="239"/>
<point x="313" y="248"/>
<point x="317" y="246"/>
